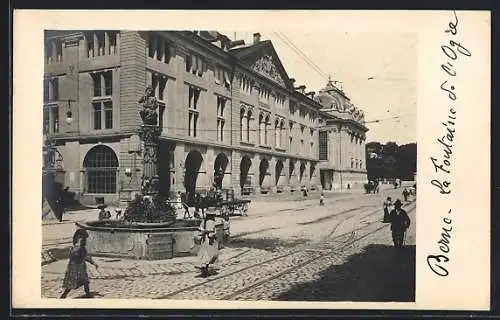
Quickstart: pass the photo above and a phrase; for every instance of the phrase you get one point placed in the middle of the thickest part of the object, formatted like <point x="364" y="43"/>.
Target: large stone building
<point x="223" y="106"/>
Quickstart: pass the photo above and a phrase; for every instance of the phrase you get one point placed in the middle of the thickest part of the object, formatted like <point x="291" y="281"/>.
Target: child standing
<point x="76" y="272"/>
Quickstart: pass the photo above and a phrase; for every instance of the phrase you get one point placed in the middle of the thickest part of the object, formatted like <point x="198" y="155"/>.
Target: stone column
<point x="150" y="180"/>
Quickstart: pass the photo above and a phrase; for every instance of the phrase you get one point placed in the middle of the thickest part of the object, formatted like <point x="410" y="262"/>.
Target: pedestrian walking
<point x="405" y="194"/>
<point x="322" y="199"/>
<point x="400" y="222"/>
<point x="388" y="206"/>
<point x="76" y="271"/>
<point x="209" y="246"/>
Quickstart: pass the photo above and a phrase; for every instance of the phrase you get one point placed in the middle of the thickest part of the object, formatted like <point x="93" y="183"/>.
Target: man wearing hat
<point x="400" y="222"/>
<point x="387" y="209"/>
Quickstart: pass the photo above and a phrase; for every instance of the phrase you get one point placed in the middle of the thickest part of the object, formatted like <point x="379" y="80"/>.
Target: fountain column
<point x="150" y="180"/>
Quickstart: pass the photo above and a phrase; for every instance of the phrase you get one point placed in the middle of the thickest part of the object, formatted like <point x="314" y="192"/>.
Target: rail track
<point x="246" y="278"/>
<point x="320" y="254"/>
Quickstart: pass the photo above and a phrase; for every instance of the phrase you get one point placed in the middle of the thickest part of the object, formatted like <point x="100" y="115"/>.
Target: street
<point x="283" y="250"/>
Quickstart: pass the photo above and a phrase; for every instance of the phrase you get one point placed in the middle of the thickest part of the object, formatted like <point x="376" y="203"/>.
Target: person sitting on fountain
<point x="209" y="247"/>
<point x="103" y="214"/>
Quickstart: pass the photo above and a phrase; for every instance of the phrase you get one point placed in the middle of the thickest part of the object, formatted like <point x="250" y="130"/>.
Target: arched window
<point x="277" y="133"/>
<point x="266" y="130"/>
<point x="261" y="129"/>
<point x="249" y="125"/>
<point x="100" y="166"/>
<point x="282" y="133"/>
<point x="243" y="122"/>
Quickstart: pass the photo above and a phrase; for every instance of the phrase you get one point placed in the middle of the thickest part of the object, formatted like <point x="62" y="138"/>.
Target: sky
<point x="391" y="59"/>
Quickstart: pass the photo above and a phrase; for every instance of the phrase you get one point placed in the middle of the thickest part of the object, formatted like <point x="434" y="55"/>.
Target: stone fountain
<point x="149" y="229"/>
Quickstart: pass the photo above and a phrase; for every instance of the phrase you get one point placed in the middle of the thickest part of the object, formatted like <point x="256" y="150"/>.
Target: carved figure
<point x="361" y="115"/>
<point x="149" y="106"/>
<point x="266" y="67"/>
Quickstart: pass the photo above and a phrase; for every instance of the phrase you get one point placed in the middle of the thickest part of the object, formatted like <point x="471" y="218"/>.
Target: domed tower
<point x="331" y="97"/>
<point x="343" y="161"/>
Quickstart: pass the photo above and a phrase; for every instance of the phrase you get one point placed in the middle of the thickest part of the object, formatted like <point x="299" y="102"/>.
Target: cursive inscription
<point x="442" y="163"/>
<point x="437" y="262"/>
<point x="453" y="51"/>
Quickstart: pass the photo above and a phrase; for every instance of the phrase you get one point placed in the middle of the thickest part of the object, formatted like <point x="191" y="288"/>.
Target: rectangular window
<point x="159" y="48"/>
<point x="221" y="104"/>
<point x="54" y="83"/>
<point x="89" y="40"/>
<point x="102" y="114"/>
<point x="101" y="42"/>
<point x="48" y="52"/>
<point x="45" y="90"/>
<point x="55" y="119"/>
<point x="161" y="88"/>
<point x="108" y="115"/>
<point x="59" y="50"/>
<point x="194" y="96"/>
<point x="51" y="90"/>
<point x="97" y="115"/>
<point x="103" y="83"/>
<point x="46" y="120"/>
<point x="53" y="51"/>
<point x="112" y="42"/>
<point x="220" y="130"/>
<point x="97" y="84"/>
<point x="323" y="145"/>
<point x="108" y="83"/>
<point x="193" y="123"/>
<point x="195" y="64"/>
<point x="159" y="83"/>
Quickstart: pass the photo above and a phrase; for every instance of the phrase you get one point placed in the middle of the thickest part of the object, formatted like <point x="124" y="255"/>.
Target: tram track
<point x="291" y="259"/>
<point x="320" y="255"/>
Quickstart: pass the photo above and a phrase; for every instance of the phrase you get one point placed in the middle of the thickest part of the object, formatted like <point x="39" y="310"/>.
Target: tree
<point x="391" y="161"/>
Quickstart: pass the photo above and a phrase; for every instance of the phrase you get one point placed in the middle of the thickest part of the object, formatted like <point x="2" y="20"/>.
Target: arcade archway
<point x="220" y="165"/>
<point x="245" y="166"/>
<point x="263" y="168"/>
<point x="302" y="171"/>
<point x="278" y="171"/>
<point x="193" y="164"/>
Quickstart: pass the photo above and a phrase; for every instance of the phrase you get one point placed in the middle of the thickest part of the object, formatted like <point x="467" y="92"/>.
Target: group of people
<point x="106" y="215"/>
<point x="399" y="220"/>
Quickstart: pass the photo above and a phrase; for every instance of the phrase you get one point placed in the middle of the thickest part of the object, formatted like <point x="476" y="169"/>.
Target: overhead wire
<point x="300" y="53"/>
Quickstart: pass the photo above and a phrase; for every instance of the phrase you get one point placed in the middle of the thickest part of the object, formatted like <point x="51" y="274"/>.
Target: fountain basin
<point x="148" y="241"/>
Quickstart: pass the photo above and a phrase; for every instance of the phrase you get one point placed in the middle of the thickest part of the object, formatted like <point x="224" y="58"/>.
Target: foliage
<point x="390" y="161"/>
<point x="157" y="210"/>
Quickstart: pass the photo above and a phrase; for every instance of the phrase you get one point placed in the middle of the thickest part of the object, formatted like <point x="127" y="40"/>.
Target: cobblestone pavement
<point x="261" y="237"/>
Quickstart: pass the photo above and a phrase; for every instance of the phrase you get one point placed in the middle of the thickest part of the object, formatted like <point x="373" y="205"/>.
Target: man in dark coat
<point x="405" y="194"/>
<point x="400" y="222"/>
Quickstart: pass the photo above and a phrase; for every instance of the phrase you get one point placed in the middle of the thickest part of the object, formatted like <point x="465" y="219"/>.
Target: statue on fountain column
<point x="148" y="113"/>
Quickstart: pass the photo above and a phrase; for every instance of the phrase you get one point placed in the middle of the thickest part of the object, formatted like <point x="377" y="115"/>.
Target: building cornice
<point x="235" y="147"/>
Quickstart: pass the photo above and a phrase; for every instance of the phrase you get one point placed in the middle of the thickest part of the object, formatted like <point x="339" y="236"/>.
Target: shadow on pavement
<point x="59" y="253"/>
<point x="268" y="244"/>
<point x="379" y="273"/>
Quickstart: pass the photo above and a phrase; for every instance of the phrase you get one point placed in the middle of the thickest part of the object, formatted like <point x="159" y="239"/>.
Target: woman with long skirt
<point x="209" y="247"/>
<point x="76" y="271"/>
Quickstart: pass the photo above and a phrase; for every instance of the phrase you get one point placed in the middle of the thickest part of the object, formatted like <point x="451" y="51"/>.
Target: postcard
<point x="251" y="159"/>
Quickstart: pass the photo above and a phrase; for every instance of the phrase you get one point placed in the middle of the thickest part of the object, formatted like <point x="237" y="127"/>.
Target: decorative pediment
<point x="265" y="66"/>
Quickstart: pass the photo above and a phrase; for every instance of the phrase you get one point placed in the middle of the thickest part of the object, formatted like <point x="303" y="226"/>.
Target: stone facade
<point x="221" y="108"/>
